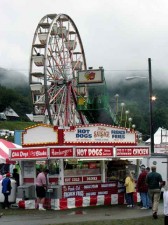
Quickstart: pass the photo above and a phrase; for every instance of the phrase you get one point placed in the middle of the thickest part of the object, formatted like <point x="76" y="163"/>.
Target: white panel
<point x="86" y="201"/>
<point x="39" y="135"/>
<point x="71" y="203"/>
<point x="100" y="200"/>
<point x="114" y="199"/>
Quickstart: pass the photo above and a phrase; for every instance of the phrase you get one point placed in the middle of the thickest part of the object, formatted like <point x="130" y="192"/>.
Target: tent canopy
<point x="160" y="136"/>
<point x="4" y="150"/>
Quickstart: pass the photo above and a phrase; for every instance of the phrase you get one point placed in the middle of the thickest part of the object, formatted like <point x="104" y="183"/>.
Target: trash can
<point x="26" y="192"/>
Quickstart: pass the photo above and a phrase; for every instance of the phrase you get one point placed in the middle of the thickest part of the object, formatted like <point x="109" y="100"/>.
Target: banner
<point x="103" y="134"/>
<point x="61" y="152"/>
<point x="138" y="151"/>
<point x="29" y="153"/>
<point x="90" y="152"/>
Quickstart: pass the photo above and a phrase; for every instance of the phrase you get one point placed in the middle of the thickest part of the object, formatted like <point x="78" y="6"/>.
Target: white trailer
<point x="161" y="163"/>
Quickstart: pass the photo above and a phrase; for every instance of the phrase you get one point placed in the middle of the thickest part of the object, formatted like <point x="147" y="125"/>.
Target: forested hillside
<point x="135" y="95"/>
<point x="18" y="99"/>
<point x="15" y="92"/>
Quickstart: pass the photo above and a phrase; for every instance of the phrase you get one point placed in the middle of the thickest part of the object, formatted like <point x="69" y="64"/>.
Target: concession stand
<point x="87" y="164"/>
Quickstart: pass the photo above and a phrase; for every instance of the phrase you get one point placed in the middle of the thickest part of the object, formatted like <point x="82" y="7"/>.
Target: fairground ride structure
<point x="64" y="91"/>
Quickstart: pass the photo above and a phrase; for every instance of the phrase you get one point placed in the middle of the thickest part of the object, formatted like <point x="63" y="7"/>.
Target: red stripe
<point x="3" y="154"/>
<point x="21" y="204"/>
<point x="28" y="180"/>
<point x="121" y="198"/>
<point x="135" y="196"/>
<point x="8" y="144"/>
<point x="93" y="200"/>
<point x="47" y="203"/>
<point x="63" y="203"/>
<point x="107" y="200"/>
<point x="79" y="202"/>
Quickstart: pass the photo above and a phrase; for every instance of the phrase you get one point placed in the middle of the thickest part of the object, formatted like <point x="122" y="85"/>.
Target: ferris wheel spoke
<point x="56" y="56"/>
<point x="54" y="59"/>
<point x="56" y="95"/>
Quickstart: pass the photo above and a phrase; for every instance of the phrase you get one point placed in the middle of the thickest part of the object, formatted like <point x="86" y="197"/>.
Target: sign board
<point x="29" y="153"/>
<point x="72" y="179"/>
<point x="28" y="169"/>
<point x="61" y="152"/>
<point x="99" y="134"/>
<point x="132" y="151"/>
<point x="40" y="135"/>
<point x="90" y="189"/>
<point x="90" y="76"/>
<point x="93" y="152"/>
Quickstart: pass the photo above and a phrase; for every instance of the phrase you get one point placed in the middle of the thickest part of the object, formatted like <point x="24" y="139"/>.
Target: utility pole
<point x="151" y="106"/>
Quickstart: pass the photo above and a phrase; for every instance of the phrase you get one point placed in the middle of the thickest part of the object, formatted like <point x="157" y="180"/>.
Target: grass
<point x="15" y="125"/>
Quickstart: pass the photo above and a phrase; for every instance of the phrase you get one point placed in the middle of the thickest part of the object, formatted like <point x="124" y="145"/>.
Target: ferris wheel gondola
<point x="57" y="55"/>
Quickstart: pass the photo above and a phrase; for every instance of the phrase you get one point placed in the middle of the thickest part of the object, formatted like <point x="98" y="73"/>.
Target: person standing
<point x="154" y="181"/>
<point x="130" y="189"/>
<point x="16" y="176"/>
<point x="41" y="187"/>
<point x="142" y="188"/>
<point x="150" y="201"/>
<point x="6" y="189"/>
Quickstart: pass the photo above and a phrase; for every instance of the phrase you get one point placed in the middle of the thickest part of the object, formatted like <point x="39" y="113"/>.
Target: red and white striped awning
<point x="4" y="150"/>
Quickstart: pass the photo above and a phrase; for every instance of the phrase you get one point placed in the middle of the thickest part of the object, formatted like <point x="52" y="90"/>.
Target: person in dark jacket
<point x="6" y="189"/>
<point x="16" y="176"/>
<point x="155" y="182"/>
<point x="142" y="188"/>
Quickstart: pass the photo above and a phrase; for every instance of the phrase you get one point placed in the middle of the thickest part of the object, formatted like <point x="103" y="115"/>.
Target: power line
<point x="125" y="70"/>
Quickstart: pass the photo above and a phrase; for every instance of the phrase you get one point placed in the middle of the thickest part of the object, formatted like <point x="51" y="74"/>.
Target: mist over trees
<point x="15" y="92"/>
<point x="135" y="95"/>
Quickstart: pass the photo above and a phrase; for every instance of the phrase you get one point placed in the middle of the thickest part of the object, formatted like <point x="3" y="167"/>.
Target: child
<point x="6" y="189"/>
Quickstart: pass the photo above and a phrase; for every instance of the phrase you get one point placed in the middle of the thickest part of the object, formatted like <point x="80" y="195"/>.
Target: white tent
<point x="160" y="137"/>
<point x="4" y="150"/>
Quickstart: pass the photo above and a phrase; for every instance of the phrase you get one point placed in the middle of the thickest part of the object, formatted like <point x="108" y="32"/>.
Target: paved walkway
<point x="77" y="215"/>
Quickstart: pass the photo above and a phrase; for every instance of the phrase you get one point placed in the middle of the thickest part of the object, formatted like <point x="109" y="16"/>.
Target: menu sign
<point x="66" y="152"/>
<point x="99" y="134"/>
<point x="98" y="152"/>
<point x="90" y="189"/>
<point x="92" y="178"/>
<point x="72" y="179"/>
<point x="29" y="153"/>
<point x="138" y="151"/>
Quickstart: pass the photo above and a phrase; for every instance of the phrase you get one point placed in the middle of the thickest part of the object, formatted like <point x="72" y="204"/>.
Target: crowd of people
<point x="148" y="185"/>
<point x="41" y="186"/>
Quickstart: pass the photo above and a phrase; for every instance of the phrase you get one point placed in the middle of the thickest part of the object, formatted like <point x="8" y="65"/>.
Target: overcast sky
<point x="116" y="34"/>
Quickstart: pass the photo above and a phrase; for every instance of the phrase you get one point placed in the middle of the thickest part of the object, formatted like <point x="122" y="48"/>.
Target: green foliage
<point x="15" y="125"/>
<point x="19" y="100"/>
<point x="136" y="98"/>
<point x="134" y="94"/>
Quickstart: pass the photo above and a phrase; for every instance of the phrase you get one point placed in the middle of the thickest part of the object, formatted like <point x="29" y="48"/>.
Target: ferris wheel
<point x="57" y="55"/>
